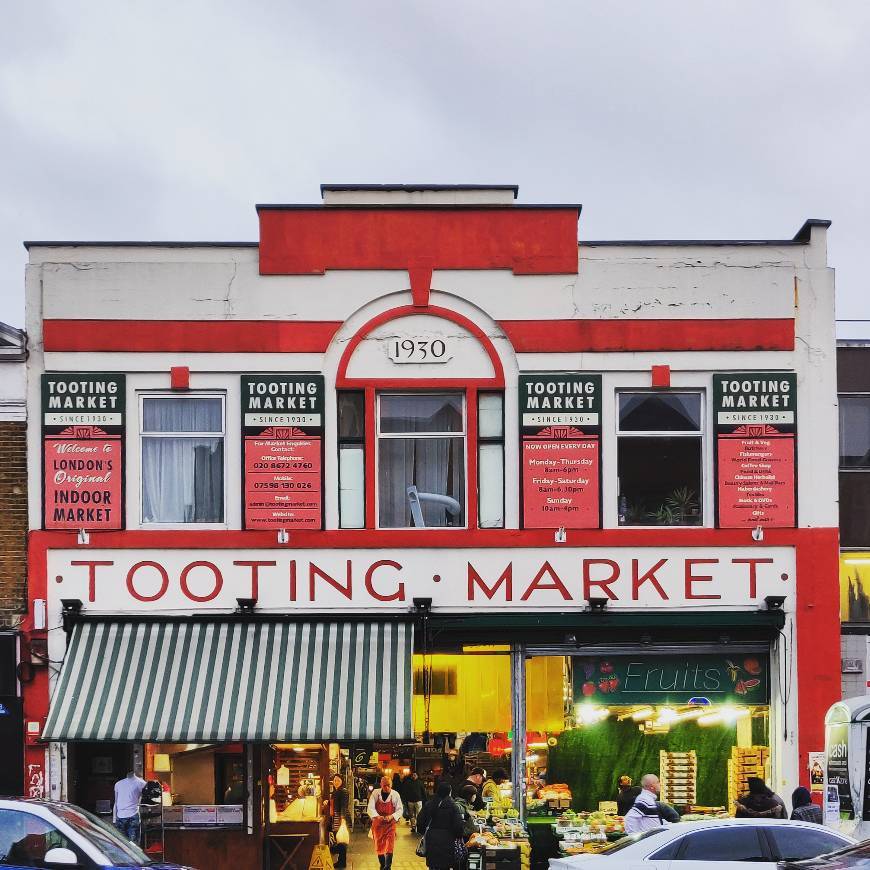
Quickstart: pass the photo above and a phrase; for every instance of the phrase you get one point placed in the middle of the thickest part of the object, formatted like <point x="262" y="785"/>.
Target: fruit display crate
<point x="678" y="774"/>
<point x="745" y="761"/>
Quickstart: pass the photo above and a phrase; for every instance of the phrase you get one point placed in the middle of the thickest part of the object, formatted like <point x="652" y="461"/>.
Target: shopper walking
<point x="339" y="806"/>
<point x="803" y="808"/>
<point x="644" y="814"/>
<point x="125" y="812"/>
<point x="440" y="823"/>
<point x="385" y="810"/>
<point x="759" y="802"/>
<point x="413" y="796"/>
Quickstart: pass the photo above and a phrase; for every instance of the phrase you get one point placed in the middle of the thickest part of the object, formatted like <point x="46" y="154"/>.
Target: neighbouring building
<point x="13" y="550"/>
<point x="415" y="473"/>
<point x="853" y="388"/>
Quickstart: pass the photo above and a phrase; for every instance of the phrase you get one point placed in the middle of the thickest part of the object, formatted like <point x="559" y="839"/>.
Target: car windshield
<point x="630" y="840"/>
<point x="117" y="849"/>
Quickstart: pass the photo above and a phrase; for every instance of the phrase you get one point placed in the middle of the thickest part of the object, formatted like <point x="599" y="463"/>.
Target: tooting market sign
<point x="190" y="581"/>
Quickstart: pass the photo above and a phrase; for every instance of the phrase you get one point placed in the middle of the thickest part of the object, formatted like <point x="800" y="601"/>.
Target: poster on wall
<point x="560" y="430"/>
<point x="837" y="766"/>
<point x="83" y="450"/>
<point x="755" y="421"/>
<point x="282" y="437"/>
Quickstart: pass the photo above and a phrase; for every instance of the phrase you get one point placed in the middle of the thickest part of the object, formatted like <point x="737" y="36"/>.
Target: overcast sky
<point x="169" y="120"/>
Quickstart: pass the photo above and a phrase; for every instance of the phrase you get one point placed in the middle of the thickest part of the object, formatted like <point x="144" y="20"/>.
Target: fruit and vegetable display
<point x="587" y="832"/>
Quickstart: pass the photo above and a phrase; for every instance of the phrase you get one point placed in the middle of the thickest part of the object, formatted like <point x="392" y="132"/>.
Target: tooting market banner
<point x="560" y="426"/>
<point x="282" y="433"/>
<point x="755" y="421"/>
<point x="83" y="450"/>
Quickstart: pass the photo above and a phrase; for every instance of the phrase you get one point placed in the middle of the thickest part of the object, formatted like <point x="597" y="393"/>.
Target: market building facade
<point x="416" y="473"/>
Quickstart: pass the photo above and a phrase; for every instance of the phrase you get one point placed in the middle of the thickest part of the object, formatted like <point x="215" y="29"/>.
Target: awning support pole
<point x="518" y="725"/>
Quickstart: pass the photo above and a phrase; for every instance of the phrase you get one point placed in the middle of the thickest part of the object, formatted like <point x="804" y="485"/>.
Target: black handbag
<point x="420" y="851"/>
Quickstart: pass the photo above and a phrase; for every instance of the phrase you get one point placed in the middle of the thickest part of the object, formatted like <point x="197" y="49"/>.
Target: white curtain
<point x="182" y="478"/>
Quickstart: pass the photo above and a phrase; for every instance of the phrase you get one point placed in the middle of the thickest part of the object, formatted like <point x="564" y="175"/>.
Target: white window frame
<point x="142" y="396"/>
<point x="422" y="435"/>
<point x="701" y="433"/>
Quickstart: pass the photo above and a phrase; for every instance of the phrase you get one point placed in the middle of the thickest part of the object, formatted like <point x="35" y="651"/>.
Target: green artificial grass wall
<point x="591" y="758"/>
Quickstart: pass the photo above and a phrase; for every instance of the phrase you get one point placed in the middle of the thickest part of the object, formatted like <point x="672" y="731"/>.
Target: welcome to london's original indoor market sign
<point x="191" y="581"/>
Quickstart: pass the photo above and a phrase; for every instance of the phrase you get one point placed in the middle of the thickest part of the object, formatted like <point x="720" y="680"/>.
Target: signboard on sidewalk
<point x="755" y="421"/>
<point x="560" y="428"/>
<point x="83" y="450"/>
<point x="282" y="434"/>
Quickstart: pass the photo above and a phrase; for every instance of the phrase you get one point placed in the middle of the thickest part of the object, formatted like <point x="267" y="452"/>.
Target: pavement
<point x="361" y="851"/>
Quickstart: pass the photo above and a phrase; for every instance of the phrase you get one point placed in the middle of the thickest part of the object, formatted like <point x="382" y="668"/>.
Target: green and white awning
<point x="202" y="682"/>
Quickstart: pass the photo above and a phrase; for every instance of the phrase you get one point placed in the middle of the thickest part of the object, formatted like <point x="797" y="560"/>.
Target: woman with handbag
<point x="440" y="824"/>
<point x="339" y="805"/>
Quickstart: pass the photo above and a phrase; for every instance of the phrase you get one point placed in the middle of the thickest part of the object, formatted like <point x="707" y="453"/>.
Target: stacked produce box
<point x="745" y="761"/>
<point x="678" y="773"/>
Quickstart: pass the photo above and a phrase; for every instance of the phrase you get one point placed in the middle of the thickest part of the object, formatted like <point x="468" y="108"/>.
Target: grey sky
<point x="169" y="120"/>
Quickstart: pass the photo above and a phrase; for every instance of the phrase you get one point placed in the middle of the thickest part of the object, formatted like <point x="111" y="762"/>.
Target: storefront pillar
<point x="518" y="725"/>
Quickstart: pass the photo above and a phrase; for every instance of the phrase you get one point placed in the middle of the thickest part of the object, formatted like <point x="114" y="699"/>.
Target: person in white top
<point x="385" y="809"/>
<point x="644" y="814"/>
<point x="125" y="812"/>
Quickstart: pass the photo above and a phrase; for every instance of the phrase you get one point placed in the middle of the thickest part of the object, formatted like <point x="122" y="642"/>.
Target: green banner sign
<point x="734" y="678"/>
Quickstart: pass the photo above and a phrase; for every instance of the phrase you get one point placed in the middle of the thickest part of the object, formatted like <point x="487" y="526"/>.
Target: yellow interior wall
<point x="854" y="586"/>
<point x="483" y="698"/>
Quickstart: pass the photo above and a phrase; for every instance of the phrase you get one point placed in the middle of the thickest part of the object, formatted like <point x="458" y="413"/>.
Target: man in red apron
<point x="385" y="810"/>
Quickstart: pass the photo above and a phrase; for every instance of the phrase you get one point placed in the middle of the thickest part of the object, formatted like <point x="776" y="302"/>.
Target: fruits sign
<point x="560" y="424"/>
<point x="282" y="422"/>
<point x="739" y="678"/>
<point x="755" y="416"/>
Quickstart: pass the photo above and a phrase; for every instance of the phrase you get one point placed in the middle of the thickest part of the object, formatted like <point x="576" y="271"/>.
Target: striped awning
<point x="234" y="680"/>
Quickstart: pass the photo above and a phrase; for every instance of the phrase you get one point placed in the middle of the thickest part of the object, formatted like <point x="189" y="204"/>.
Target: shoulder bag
<point x="420" y="851"/>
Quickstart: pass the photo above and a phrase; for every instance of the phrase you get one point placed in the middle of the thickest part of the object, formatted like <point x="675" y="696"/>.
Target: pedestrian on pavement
<point x="440" y="823"/>
<point x="413" y="796"/>
<point x="385" y="810"/>
<point x="803" y="808"/>
<point x="125" y="812"/>
<point x="644" y="814"/>
<point x="339" y="805"/>
<point x="475" y="779"/>
<point x="759" y="802"/>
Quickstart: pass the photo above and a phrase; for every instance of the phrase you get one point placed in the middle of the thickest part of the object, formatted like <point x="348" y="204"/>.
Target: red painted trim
<point x="564" y="336"/>
<point x="816" y="668"/>
<point x="189" y="336"/>
<point x="420" y="277"/>
<point x="179" y="377"/>
<point x="371" y="447"/>
<point x="661" y="376"/>
<point x="527" y="241"/>
<point x="342" y="381"/>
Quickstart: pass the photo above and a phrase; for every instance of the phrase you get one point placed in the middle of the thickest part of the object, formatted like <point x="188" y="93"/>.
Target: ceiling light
<point x="710" y="719"/>
<point x="643" y="713"/>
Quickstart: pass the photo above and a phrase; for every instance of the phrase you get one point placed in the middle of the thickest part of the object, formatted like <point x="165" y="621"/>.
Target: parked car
<point x="58" y="835"/>
<point x="717" y="844"/>
<point x="850" y="858"/>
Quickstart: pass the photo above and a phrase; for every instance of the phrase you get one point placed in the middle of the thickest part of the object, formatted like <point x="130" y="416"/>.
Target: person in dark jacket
<point x="413" y="796"/>
<point x="475" y="780"/>
<point x="759" y="802"/>
<point x="803" y="808"/>
<point x="441" y="823"/>
<point x="626" y="794"/>
<point x="339" y="806"/>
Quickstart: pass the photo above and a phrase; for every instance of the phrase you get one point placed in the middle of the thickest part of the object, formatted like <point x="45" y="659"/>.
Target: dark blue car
<point x="52" y="834"/>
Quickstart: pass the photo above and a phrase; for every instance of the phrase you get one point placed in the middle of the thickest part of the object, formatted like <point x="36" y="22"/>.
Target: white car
<point x="717" y="844"/>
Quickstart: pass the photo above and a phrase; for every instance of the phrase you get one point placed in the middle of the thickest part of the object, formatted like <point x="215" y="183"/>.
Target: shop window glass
<point x="421" y="460"/>
<point x="351" y="460"/>
<point x="490" y="460"/>
<point x="798" y="844"/>
<point x="723" y="844"/>
<point x="854" y="431"/>
<point x="854" y="509"/>
<point x="182" y="459"/>
<point x="25" y="838"/>
<point x="659" y="458"/>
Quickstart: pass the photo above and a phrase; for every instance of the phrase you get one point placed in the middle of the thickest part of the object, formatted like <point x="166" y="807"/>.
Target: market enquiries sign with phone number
<point x="755" y="420"/>
<point x="737" y="678"/>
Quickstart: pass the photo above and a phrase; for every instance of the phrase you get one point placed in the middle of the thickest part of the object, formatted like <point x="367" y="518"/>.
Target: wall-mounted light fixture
<point x="598" y="605"/>
<point x="774" y="602"/>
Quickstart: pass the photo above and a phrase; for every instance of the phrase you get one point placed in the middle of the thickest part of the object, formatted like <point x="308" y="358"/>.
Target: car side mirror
<point x="59" y="857"/>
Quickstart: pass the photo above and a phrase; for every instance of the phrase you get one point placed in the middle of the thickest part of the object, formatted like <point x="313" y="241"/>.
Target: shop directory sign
<point x="736" y="678"/>
<point x="560" y="427"/>
<point x="755" y="420"/>
<point x="83" y="450"/>
<point x="282" y="429"/>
